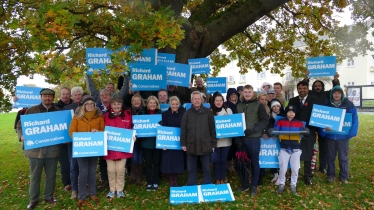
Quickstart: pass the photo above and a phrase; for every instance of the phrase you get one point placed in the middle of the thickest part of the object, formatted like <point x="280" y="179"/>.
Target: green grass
<point x="357" y="194"/>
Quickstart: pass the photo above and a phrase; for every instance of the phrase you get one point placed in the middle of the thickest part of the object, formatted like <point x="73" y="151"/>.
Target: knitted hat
<point x="273" y="103"/>
<point x="87" y="98"/>
<point x="291" y="108"/>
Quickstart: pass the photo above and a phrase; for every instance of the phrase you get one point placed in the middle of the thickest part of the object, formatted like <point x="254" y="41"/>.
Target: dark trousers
<point x="220" y="166"/>
<point x="308" y="175"/>
<point x="87" y="177"/>
<point x="36" y="168"/>
<point x="340" y="148"/>
<point x="192" y="169"/>
<point x="103" y="169"/>
<point x="74" y="169"/>
<point x="232" y="151"/>
<point x="252" y="147"/>
<point x="152" y="165"/>
<point x="322" y="152"/>
<point x="137" y="154"/>
<point x="64" y="164"/>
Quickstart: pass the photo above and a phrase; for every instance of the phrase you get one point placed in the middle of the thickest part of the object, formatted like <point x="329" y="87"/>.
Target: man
<point x="65" y="98"/>
<point x="124" y="88"/>
<point x="162" y="96"/>
<point x="198" y="138"/>
<point x="278" y="93"/>
<point x="201" y="88"/>
<point x="240" y="90"/>
<point x="44" y="157"/>
<point x="256" y="120"/>
<point x="304" y="104"/>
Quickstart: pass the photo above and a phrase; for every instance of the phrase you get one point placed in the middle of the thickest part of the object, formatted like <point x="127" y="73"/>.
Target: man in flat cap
<point x="44" y="157"/>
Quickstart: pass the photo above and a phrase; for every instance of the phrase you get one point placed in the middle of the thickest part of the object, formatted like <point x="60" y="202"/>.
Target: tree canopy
<point x="50" y="37"/>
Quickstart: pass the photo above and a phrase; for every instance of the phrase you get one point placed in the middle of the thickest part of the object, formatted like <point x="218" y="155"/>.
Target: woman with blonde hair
<point x="262" y="97"/>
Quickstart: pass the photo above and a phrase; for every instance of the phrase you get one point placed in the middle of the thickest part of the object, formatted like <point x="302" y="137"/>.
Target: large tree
<point x="50" y="37"/>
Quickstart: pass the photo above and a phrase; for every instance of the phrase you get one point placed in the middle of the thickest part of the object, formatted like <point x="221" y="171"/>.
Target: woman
<point x="172" y="161"/>
<point x="223" y="144"/>
<point x="262" y="97"/>
<point x="115" y="160"/>
<point x="151" y="154"/>
<point x="137" y="108"/>
<point x="88" y="118"/>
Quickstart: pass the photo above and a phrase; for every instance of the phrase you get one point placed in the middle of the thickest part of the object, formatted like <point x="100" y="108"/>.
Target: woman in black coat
<point x="172" y="161"/>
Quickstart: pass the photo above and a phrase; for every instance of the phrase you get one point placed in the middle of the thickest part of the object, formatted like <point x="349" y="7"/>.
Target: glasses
<point x="89" y="104"/>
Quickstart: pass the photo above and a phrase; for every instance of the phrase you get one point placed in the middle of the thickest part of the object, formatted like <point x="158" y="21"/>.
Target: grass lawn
<point x="357" y="194"/>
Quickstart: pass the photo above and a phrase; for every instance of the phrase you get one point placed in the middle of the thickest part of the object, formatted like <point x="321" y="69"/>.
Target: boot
<point x="133" y="173"/>
<point x="95" y="198"/>
<point x="80" y="203"/>
<point x="230" y="166"/>
<point x="139" y="174"/>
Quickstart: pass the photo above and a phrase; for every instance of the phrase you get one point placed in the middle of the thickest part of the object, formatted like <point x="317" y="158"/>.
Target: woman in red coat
<point x="116" y="161"/>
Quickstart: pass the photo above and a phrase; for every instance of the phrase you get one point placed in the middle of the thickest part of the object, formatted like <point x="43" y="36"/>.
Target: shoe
<point x="104" y="184"/>
<point x="330" y="179"/>
<point x="74" y="194"/>
<point x="50" y="201"/>
<point x="67" y="188"/>
<point x="32" y="205"/>
<point x="277" y="182"/>
<point x="308" y="182"/>
<point x="110" y="194"/>
<point x="95" y="198"/>
<point x="155" y="187"/>
<point x="240" y="190"/>
<point x="253" y="191"/>
<point x="280" y="189"/>
<point x="275" y="178"/>
<point x="120" y="194"/>
<point x="344" y="181"/>
<point x="149" y="187"/>
<point x="293" y="190"/>
<point x="80" y="203"/>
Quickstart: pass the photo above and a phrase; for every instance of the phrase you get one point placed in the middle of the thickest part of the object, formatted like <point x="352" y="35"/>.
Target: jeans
<point x="64" y="164"/>
<point x="342" y="148"/>
<point x="220" y="167"/>
<point x="137" y="154"/>
<point x="36" y="169"/>
<point x="192" y="169"/>
<point x="152" y="165"/>
<point x="252" y="147"/>
<point x="74" y="169"/>
<point x="87" y="176"/>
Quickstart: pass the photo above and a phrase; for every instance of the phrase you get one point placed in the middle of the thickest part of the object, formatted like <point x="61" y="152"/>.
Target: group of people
<point x="198" y="137"/>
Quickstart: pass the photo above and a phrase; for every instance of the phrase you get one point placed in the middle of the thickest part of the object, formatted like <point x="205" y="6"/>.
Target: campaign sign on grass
<point x="46" y="129"/>
<point x="346" y="126"/>
<point x="321" y="66"/>
<point x="120" y="139"/>
<point x="148" y="77"/>
<point x="231" y="125"/>
<point x="164" y="58"/>
<point x="164" y="107"/>
<point x="27" y="96"/>
<point x="90" y="144"/>
<point x="216" y="84"/>
<point x="97" y="58"/>
<point x="324" y="116"/>
<point x="185" y="194"/>
<point x="178" y="74"/>
<point x="188" y="106"/>
<point x="217" y="192"/>
<point x="200" y="65"/>
<point x="269" y="153"/>
<point x="168" y="137"/>
<point x="146" y="125"/>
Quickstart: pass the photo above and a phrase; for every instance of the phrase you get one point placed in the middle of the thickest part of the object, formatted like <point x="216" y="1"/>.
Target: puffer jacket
<point x="85" y="125"/>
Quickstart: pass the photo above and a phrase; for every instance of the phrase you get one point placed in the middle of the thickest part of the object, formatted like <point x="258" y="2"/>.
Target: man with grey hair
<point x="201" y="88"/>
<point x="198" y="138"/>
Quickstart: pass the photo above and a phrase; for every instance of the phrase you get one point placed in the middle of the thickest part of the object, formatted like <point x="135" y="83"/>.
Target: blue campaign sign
<point x="146" y="125"/>
<point x="200" y="65"/>
<point x="97" y="59"/>
<point x="147" y="56"/>
<point x="27" y="96"/>
<point x="148" y="77"/>
<point x="89" y="144"/>
<point x="269" y="153"/>
<point x="168" y="137"/>
<point x="178" y="74"/>
<point x="185" y="194"/>
<point x="232" y="125"/>
<point x="346" y="126"/>
<point x="165" y="58"/>
<point x="120" y="139"/>
<point x="217" y="192"/>
<point x="324" y="116"/>
<point x="214" y="84"/>
<point x="164" y="107"/>
<point x="46" y="129"/>
<point x="188" y="106"/>
<point x="321" y="66"/>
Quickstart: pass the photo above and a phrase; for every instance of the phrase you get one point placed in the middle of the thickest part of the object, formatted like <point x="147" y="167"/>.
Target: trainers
<point x="293" y="189"/>
<point x="344" y="181"/>
<point x="149" y="187"/>
<point x="110" y="194"/>
<point x="280" y="189"/>
<point x="74" y="194"/>
<point x="155" y="187"/>
<point x="330" y="179"/>
<point x="240" y="190"/>
<point x="254" y="191"/>
<point x="120" y="194"/>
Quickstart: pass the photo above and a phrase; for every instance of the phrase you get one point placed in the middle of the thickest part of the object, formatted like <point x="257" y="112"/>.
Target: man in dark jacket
<point x="198" y="138"/>
<point x="256" y="120"/>
<point x="65" y="98"/>
<point x="304" y="103"/>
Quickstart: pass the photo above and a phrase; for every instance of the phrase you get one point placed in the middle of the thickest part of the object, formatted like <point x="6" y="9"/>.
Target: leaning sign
<point x="27" y="96"/>
<point x="231" y="125"/>
<point x="324" y="116"/>
<point x="321" y="66"/>
<point x="89" y="144"/>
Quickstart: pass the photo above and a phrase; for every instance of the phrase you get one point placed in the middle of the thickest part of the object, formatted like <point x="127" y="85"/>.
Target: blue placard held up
<point x="120" y="139"/>
<point x="269" y="153"/>
<point x="214" y="84"/>
<point x="164" y="107"/>
<point x="89" y="144"/>
<point x="148" y="77"/>
<point x="200" y="65"/>
<point x="46" y="129"/>
<point x="168" y="137"/>
<point x="185" y="194"/>
<point x="146" y="125"/>
<point x="97" y="59"/>
<point x="321" y="66"/>
<point x="324" y="116"/>
<point x="178" y="74"/>
<point x="346" y="126"/>
<point x="165" y="58"/>
<point x="188" y="106"/>
<point x="27" y="96"/>
<point x="231" y="125"/>
<point x="147" y="57"/>
<point x="217" y="192"/>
